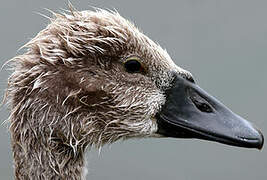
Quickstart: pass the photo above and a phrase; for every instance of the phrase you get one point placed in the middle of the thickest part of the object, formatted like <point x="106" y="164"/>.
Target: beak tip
<point x="254" y="141"/>
<point x="261" y="141"/>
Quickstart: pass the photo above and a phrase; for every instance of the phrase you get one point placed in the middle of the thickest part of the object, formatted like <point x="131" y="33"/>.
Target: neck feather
<point x="41" y="163"/>
<point x="45" y="145"/>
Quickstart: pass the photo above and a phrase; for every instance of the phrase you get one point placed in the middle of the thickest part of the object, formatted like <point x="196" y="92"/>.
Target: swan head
<point x="91" y="78"/>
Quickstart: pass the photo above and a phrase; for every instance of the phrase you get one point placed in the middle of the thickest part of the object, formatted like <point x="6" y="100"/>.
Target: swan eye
<point x="132" y="65"/>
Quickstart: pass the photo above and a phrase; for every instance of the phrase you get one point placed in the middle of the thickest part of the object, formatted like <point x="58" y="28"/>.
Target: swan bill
<point x="190" y="112"/>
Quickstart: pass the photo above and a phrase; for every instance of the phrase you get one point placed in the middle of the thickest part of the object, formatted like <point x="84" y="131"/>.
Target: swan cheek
<point x="153" y="106"/>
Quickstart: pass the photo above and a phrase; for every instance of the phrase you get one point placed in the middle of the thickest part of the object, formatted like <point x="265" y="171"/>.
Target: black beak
<point x="190" y="112"/>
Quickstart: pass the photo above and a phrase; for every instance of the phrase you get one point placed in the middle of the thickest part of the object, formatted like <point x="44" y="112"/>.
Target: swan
<point x="91" y="78"/>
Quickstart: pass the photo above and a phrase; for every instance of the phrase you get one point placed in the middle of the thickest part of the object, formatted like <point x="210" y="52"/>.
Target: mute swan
<point x="91" y="78"/>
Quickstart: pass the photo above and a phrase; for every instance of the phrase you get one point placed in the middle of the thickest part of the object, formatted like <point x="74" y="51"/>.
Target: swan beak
<point x="190" y="112"/>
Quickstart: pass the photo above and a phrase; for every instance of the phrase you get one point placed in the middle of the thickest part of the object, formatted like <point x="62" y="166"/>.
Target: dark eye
<point x="133" y="66"/>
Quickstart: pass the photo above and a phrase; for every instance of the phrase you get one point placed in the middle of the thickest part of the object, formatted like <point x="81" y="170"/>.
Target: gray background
<point x="223" y="43"/>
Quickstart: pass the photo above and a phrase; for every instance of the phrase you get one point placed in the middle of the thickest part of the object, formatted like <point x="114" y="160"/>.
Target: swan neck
<point x="41" y="163"/>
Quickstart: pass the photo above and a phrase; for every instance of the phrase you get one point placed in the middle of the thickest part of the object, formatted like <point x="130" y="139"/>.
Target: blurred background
<point x="224" y="45"/>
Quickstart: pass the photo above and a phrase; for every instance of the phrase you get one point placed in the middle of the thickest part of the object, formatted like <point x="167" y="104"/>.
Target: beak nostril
<point x="200" y="103"/>
<point x="203" y="107"/>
